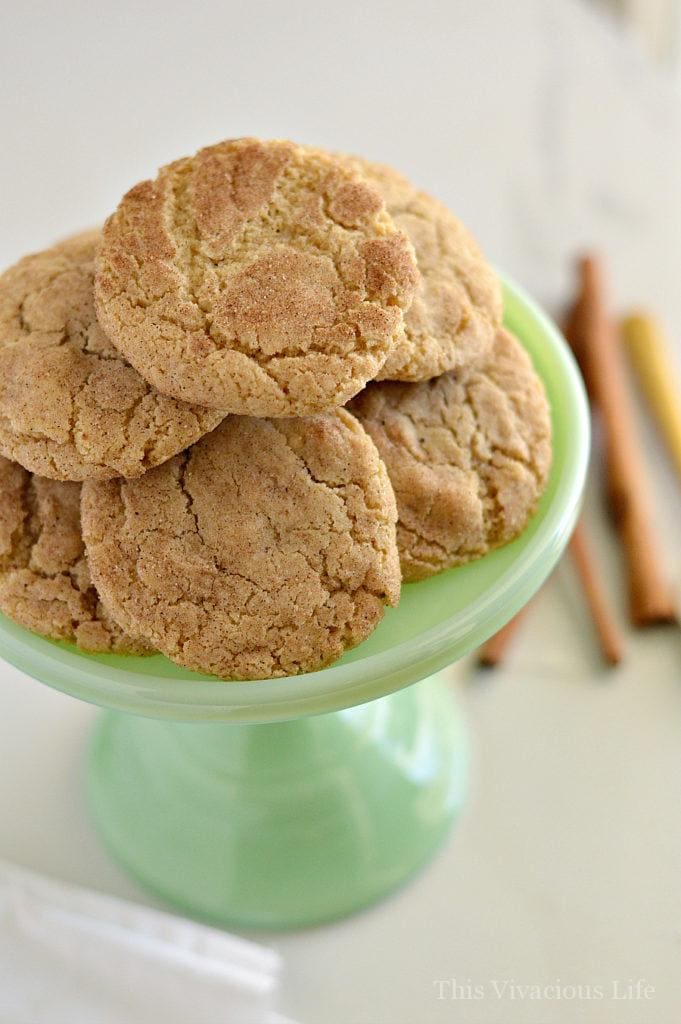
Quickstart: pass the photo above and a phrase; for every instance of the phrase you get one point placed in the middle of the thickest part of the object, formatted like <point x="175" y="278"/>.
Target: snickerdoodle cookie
<point x="265" y="550"/>
<point x="457" y="307"/>
<point x="468" y="455"/>
<point x="70" y="406"/>
<point x="44" y="580"/>
<point x="260" y="278"/>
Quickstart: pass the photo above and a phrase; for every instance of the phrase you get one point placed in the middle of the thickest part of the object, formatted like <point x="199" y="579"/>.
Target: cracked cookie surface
<point x="260" y="278"/>
<point x="468" y="455"/>
<point x="70" y="406"/>
<point x="457" y="307"/>
<point x="45" y="583"/>
<point x="267" y="549"/>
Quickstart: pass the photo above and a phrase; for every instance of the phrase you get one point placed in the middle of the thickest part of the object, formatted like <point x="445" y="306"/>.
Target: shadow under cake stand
<point x="286" y="802"/>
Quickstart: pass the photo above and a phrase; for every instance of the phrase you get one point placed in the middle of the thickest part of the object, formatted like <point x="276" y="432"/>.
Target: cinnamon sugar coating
<point x="70" y="405"/>
<point x="267" y="549"/>
<point x="457" y="307"/>
<point x="468" y="455"/>
<point x="259" y="278"/>
<point x="45" y="582"/>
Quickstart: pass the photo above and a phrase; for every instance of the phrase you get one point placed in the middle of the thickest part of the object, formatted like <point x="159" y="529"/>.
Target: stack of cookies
<point x="274" y="386"/>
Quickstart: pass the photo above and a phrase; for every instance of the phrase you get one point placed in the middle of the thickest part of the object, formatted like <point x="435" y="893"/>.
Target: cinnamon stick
<point x="593" y="337"/>
<point x="494" y="651"/>
<point x="609" y="635"/>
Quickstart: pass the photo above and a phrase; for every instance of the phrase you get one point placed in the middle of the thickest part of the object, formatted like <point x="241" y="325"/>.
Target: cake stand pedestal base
<point x="284" y="824"/>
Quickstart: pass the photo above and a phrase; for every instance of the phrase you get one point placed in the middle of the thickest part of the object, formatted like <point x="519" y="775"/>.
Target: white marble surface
<point x="546" y="133"/>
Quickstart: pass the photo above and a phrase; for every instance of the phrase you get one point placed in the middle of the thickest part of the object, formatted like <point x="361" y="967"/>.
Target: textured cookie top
<point x="457" y="307"/>
<point x="258" y="278"/>
<point x="267" y="549"/>
<point x="44" y="579"/>
<point x="468" y="455"/>
<point x="70" y="406"/>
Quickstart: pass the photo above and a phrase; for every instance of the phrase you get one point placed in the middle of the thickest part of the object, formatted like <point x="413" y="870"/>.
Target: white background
<point x="546" y="133"/>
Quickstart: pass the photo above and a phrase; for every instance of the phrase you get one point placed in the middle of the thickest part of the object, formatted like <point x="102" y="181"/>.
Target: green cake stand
<point x="286" y="802"/>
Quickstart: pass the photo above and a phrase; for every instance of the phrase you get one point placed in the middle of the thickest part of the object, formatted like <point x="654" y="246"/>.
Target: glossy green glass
<point x="281" y="824"/>
<point x="323" y="802"/>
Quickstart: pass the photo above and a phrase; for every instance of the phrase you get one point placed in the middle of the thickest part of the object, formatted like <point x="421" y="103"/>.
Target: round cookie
<point x="267" y="549"/>
<point x="457" y="307"/>
<point x="44" y="579"/>
<point x="70" y="406"/>
<point x="260" y="278"/>
<point x="468" y="455"/>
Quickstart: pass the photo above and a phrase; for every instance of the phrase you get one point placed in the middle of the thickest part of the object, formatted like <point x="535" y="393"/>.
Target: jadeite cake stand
<point x="285" y="802"/>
